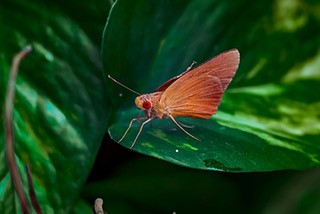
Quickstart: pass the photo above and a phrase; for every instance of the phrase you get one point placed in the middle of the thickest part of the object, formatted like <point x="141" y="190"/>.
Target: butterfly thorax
<point x="150" y="104"/>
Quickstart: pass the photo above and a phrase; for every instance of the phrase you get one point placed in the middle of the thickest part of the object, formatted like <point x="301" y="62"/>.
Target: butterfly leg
<point x="184" y="125"/>
<point x="172" y="118"/>
<point x="140" y="118"/>
<point x="130" y="124"/>
<point x="141" y="127"/>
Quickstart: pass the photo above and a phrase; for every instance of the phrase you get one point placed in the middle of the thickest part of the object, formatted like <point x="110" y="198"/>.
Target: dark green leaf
<point x="268" y="118"/>
<point x="164" y="188"/>
<point x="61" y="110"/>
<point x="82" y="207"/>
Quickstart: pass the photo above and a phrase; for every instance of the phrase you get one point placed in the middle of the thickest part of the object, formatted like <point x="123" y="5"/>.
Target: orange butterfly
<point x="195" y="93"/>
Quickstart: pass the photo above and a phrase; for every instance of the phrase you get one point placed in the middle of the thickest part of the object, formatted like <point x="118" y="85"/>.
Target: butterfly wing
<point x="165" y="85"/>
<point x="198" y="92"/>
<point x="222" y="66"/>
<point x="198" y="97"/>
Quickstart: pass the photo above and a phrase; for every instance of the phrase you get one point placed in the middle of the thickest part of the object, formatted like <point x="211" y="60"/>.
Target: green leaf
<point x="299" y="194"/>
<point x="61" y="109"/>
<point x="166" y="188"/>
<point x="82" y="207"/>
<point x="268" y="119"/>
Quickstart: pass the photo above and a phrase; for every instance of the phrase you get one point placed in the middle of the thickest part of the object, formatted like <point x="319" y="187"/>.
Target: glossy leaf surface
<point x="268" y="119"/>
<point x="60" y="111"/>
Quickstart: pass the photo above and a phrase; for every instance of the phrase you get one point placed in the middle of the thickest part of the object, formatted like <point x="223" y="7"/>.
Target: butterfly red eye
<point x="146" y="104"/>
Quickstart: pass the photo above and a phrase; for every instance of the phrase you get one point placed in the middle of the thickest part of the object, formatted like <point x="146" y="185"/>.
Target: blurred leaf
<point x="60" y="111"/>
<point x="300" y="194"/>
<point x="90" y="16"/>
<point x="268" y="119"/>
<point x="164" y="188"/>
<point x="82" y="207"/>
<point x="150" y="186"/>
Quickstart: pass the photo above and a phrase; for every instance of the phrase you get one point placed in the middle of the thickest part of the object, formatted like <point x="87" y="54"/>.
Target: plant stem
<point x="10" y="155"/>
<point x="32" y="193"/>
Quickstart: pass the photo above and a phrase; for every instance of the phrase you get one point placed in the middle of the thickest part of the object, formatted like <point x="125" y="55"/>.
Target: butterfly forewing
<point x="223" y="66"/>
<point x="198" y="97"/>
<point x="198" y="92"/>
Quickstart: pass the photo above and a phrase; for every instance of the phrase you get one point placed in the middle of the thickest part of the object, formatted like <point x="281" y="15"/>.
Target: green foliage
<point x="268" y="119"/>
<point x="153" y="186"/>
<point x="60" y="111"/>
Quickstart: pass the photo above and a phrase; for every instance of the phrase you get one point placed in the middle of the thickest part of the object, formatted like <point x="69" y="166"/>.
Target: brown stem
<point x="12" y="165"/>
<point x="32" y="193"/>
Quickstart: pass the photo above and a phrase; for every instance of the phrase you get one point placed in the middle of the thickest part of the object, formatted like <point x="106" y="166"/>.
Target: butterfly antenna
<point x="119" y="83"/>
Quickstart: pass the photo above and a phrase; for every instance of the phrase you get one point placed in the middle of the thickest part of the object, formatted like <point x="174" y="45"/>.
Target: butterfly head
<point x="143" y="103"/>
